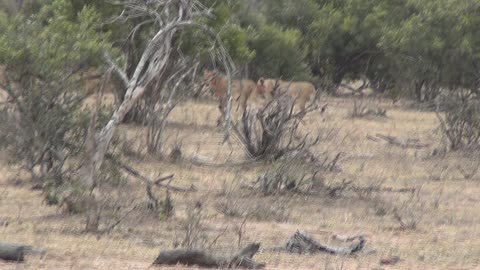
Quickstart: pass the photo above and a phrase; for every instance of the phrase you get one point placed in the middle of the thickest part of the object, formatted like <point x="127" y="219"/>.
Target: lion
<point x="301" y="91"/>
<point x="242" y="90"/>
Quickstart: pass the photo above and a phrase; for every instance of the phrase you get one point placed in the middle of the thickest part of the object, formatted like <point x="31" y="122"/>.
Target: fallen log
<point x="17" y="252"/>
<point x="383" y="189"/>
<point x="301" y="242"/>
<point x="408" y="143"/>
<point x="203" y="259"/>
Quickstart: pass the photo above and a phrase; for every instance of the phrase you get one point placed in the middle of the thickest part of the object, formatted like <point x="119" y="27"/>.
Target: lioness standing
<point x="242" y="90"/>
<point x="301" y="92"/>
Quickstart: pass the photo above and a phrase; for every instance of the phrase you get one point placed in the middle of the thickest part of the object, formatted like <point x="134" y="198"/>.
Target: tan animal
<point x="242" y="90"/>
<point x="301" y="92"/>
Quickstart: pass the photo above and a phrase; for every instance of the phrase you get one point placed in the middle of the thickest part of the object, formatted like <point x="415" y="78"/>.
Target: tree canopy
<point x="399" y="45"/>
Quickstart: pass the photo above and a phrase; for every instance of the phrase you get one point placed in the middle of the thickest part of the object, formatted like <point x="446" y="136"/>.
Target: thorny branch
<point x="273" y="131"/>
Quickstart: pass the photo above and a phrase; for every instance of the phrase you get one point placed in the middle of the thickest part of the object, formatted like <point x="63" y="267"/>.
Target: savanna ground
<point x="444" y="211"/>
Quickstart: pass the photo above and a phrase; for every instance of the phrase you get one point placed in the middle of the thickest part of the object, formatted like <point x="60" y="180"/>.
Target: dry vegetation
<point x="420" y="207"/>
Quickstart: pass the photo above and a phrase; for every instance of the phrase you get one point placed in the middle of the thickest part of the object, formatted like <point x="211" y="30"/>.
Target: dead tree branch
<point x="147" y="181"/>
<point x="404" y="143"/>
<point x="203" y="259"/>
<point x="302" y="242"/>
<point x="273" y="131"/>
<point x="359" y="189"/>
<point x="17" y="252"/>
<point x="171" y="16"/>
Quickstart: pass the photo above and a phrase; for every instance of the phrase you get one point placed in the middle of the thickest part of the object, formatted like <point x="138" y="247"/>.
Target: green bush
<point x="278" y="53"/>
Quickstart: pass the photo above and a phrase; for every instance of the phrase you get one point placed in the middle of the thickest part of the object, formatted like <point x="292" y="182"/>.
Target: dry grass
<point x="448" y="209"/>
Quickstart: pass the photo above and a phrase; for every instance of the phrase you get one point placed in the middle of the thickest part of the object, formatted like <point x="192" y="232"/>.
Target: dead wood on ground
<point x="404" y="143"/>
<point x="153" y="200"/>
<point x="302" y="242"/>
<point x="147" y="181"/>
<point x="204" y="259"/>
<point x="358" y="189"/>
<point x="17" y="252"/>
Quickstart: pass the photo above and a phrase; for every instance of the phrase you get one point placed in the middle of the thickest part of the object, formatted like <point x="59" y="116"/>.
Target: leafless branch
<point x="146" y="180"/>
<point x="170" y="16"/>
<point x="302" y="242"/>
<point x="120" y="72"/>
<point x="273" y="131"/>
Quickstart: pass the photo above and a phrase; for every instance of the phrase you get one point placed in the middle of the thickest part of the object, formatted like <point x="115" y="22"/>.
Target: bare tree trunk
<point x="105" y="136"/>
<point x="154" y="60"/>
<point x="93" y="211"/>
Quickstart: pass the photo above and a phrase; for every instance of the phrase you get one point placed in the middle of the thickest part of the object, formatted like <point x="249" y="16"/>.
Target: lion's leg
<point x="264" y="97"/>
<point x="301" y="103"/>
<point x="243" y="102"/>
<point x="238" y="106"/>
<point x="239" y="102"/>
<point x="221" y="108"/>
